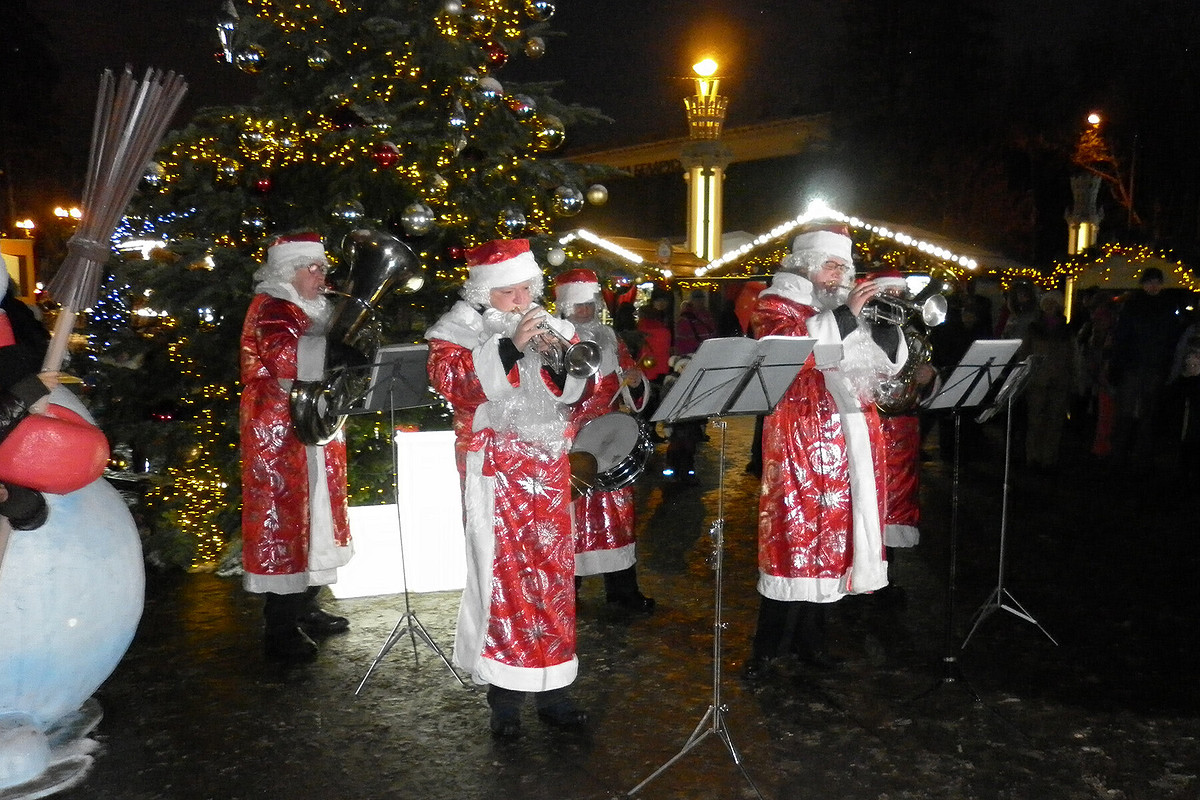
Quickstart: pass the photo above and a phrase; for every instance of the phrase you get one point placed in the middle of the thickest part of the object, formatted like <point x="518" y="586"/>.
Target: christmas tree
<point x="378" y="114"/>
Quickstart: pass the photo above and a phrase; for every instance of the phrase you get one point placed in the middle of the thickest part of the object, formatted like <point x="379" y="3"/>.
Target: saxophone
<point x="900" y="393"/>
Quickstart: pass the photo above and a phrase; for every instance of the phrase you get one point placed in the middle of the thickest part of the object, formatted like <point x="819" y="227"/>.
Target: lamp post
<point x="705" y="158"/>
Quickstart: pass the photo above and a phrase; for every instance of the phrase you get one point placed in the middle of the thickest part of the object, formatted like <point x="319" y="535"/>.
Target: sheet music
<point x="976" y="374"/>
<point x="735" y="375"/>
<point x="398" y="379"/>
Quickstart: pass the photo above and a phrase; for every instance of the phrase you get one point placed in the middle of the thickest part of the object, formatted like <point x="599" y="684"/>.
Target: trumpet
<point x="893" y="309"/>
<point x="579" y="360"/>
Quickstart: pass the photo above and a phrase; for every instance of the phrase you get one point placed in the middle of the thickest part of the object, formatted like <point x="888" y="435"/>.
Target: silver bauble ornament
<point x="568" y="201"/>
<point x="154" y="174"/>
<point x="318" y="59"/>
<point x="535" y="47"/>
<point x="597" y="195"/>
<point x="549" y="132"/>
<point x="348" y="211"/>
<point x="556" y="256"/>
<point x="511" y="222"/>
<point x="522" y="106"/>
<point x="539" y="10"/>
<point x="250" y="59"/>
<point x="417" y="219"/>
<point x="452" y="7"/>
<point x="490" y="90"/>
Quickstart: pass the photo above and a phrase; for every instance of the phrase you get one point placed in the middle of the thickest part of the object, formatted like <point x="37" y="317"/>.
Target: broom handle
<point x="57" y="350"/>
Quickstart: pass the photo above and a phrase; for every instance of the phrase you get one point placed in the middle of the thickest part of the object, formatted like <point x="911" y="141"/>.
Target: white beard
<point x="829" y="299"/>
<point x="533" y="414"/>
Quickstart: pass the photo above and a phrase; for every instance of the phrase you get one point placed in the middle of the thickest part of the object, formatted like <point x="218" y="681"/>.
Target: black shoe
<point x="505" y="722"/>
<point x="633" y="602"/>
<point x="563" y="714"/>
<point x="290" y="644"/>
<point x="319" y="622"/>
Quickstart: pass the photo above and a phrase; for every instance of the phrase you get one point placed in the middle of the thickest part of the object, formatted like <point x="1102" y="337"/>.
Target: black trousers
<point x="786" y="627"/>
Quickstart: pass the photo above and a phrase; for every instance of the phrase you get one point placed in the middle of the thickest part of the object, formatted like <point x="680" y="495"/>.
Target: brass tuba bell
<point x="377" y="263"/>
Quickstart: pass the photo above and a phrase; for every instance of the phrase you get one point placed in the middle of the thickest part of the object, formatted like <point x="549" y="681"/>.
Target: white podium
<point x="430" y="513"/>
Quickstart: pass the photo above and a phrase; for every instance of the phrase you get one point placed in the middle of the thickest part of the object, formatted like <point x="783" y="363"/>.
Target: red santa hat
<point x="296" y="251"/>
<point x="889" y="279"/>
<point x="831" y="240"/>
<point x="500" y="263"/>
<point x="573" y="287"/>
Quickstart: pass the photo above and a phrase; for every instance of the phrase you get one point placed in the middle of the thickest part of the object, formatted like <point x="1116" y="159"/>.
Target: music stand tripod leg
<point x="408" y="621"/>
<point x="713" y="721"/>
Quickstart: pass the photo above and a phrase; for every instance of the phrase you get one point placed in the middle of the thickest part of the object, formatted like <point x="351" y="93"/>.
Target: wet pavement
<point x="1104" y="562"/>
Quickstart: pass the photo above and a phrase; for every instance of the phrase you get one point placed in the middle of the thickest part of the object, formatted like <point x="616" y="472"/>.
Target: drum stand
<point x="408" y="624"/>
<point x="999" y="594"/>
<point x="713" y="721"/>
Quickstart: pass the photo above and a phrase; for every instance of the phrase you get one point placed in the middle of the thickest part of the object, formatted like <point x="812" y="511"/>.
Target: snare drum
<point x="621" y="446"/>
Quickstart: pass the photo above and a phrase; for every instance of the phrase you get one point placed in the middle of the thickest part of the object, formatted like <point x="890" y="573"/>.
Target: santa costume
<point x="822" y="501"/>
<point x="516" y="621"/>
<point x="604" y="521"/>
<point x="902" y="440"/>
<point x="295" y="531"/>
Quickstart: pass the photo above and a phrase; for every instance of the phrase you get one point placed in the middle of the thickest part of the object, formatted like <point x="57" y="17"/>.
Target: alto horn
<point x="377" y="263"/>
<point x="892" y="309"/>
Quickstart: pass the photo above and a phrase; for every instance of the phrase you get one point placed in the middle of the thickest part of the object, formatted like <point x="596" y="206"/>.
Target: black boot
<point x="284" y="641"/>
<point x="316" y="621"/>
<point x="556" y="708"/>
<point x="505" y="704"/>
<point x="621" y="589"/>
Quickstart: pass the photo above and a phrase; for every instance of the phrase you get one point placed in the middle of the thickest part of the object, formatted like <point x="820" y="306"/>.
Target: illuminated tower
<point x="705" y="158"/>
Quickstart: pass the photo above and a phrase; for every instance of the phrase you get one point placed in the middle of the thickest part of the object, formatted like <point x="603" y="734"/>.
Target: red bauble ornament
<point x="262" y="185"/>
<point x="497" y="56"/>
<point x="456" y="252"/>
<point x="386" y="155"/>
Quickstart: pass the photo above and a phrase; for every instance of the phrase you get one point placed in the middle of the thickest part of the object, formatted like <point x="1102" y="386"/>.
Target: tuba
<point x="377" y="263"/>
<point x="900" y="394"/>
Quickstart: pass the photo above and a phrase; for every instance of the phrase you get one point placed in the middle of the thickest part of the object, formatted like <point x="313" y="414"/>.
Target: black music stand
<point x="1014" y="384"/>
<point x="970" y="382"/>
<point x="729" y="376"/>
<point x="398" y="381"/>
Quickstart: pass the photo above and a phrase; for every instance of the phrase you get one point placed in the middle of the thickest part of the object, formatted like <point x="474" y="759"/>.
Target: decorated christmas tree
<point x="380" y="114"/>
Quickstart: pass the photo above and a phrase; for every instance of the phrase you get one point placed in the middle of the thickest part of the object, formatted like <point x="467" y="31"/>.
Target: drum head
<point x="610" y="438"/>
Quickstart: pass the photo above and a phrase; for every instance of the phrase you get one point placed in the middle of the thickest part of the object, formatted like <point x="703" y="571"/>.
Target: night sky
<point x="931" y="76"/>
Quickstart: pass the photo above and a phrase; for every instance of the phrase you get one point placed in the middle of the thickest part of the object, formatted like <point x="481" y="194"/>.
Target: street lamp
<point x="71" y="213"/>
<point x="705" y="158"/>
<point x="26" y="226"/>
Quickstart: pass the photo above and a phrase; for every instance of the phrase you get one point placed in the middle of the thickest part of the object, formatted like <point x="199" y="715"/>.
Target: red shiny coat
<point x="806" y="512"/>
<point x="275" y="501"/>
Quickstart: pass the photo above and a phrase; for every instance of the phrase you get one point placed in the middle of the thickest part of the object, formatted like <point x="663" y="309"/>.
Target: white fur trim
<point x="810" y="590"/>
<point x="518" y="269"/>
<point x="901" y="536"/>
<point x="569" y="295"/>
<point x="827" y="242"/>
<point x="598" y="562"/>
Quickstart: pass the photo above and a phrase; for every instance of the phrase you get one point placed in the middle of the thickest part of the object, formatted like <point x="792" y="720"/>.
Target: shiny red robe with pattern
<point x="902" y="435"/>
<point x="275" y="494"/>
<point x="516" y="621"/>
<point x="604" y="533"/>
<point x="808" y="513"/>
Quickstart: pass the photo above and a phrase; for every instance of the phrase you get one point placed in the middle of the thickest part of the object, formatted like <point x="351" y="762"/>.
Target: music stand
<point x="399" y="381"/>
<point x="1014" y="384"/>
<point x="729" y="376"/>
<point x="974" y="378"/>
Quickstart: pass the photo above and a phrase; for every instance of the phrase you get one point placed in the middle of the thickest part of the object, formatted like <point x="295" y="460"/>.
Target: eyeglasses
<point x="315" y="268"/>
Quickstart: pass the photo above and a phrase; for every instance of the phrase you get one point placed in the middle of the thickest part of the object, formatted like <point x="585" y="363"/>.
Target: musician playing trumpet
<point x="821" y="507"/>
<point x="604" y="521"/>
<point x="513" y="432"/>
